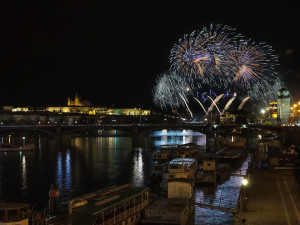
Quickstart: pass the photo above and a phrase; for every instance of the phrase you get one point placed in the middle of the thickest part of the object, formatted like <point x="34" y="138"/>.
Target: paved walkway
<point x="273" y="197"/>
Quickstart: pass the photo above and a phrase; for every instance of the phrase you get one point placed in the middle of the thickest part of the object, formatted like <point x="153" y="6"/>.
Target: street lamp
<point x="263" y="114"/>
<point x="244" y="185"/>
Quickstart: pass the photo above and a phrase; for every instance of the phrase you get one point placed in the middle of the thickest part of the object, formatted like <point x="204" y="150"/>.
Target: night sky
<point x="110" y="52"/>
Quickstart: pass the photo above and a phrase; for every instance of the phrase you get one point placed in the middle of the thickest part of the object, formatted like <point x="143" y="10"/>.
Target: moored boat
<point x="13" y="147"/>
<point x="14" y="213"/>
<point x="172" y="151"/>
<point x="233" y="153"/>
<point x="211" y="172"/>
<point x="115" y="205"/>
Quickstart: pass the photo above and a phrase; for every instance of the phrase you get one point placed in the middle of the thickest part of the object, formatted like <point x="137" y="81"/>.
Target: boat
<point x="122" y="204"/>
<point x="13" y="147"/>
<point x="175" y="169"/>
<point x="270" y="153"/>
<point x="211" y="172"/>
<point x="233" y="153"/>
<point x="14" y="213"/>
<point x="172" y="151"/>
<point x="177" y="204"/>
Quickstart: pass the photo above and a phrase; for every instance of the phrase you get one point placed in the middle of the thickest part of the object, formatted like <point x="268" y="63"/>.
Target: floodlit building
<point x="295" y="114"/>
<point x="271" y="113"/>
<point x="78" y="106"/>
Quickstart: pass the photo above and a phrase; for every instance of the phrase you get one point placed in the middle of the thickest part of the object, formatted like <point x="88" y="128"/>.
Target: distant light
<point x="259" y="136"/>
<point x="263" y="111"/>
<point x="245" y="182"/>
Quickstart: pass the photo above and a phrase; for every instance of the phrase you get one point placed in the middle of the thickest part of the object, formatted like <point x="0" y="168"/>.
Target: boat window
<point x="12" y="215"/>
<point x="2" y="215"/>
<point x="24" y="212"/>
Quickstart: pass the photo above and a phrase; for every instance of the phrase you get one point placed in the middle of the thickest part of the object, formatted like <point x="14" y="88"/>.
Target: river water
<point x="85" y="164"/>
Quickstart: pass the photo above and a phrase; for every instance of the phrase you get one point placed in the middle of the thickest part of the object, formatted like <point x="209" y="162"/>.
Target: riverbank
<point x="272" y="198"/>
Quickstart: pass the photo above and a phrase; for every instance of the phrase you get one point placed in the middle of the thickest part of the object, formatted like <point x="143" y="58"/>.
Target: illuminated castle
<point x="78" y="102"/>
<point x="82" y="107"/>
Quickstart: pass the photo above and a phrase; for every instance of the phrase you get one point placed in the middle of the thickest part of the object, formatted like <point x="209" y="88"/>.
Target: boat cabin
<point x="14" y="213"/>
<point x="122" y="204"/>
<point x="183" y="168"/>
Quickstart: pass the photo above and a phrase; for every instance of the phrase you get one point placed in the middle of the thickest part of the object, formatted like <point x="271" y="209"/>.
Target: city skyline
<point x="112" y="52"/>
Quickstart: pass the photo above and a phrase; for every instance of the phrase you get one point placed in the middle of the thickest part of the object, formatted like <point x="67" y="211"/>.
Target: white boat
<point x="172" y="151"/>
<point x="178" y="205"/>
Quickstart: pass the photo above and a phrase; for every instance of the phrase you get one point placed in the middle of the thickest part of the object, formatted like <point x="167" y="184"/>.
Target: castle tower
<point x="283" y="105"/>
<point x="76" y="100"/>
<point x="69" y="101"/>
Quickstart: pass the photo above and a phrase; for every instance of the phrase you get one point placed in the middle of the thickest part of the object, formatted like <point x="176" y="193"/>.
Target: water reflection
<point x="24" y="174"/>
<point x="64" y="174"/>
<point x="91" y="163"/>
<point x="224" y="195"/>
<point x="138" y="170"/>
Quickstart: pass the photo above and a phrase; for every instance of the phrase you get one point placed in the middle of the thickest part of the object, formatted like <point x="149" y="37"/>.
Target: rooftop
<point x="98" y="202"/>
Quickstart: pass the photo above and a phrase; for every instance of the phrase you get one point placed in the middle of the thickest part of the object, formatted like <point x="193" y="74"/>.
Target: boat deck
<point x="230" y="152"/>
<point x="166" y="211"/>
<point x="97" y="202"/>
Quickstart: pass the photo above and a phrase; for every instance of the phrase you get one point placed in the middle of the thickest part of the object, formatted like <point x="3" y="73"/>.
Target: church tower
<point x="283" y="105"/>
<point x="76" y="100"/>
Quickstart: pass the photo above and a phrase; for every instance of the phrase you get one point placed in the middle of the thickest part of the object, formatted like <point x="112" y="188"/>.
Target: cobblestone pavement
<point x="273" y="197"/>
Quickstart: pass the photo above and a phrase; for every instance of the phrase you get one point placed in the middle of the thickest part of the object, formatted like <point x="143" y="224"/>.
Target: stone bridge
<point x="288" y="134"/>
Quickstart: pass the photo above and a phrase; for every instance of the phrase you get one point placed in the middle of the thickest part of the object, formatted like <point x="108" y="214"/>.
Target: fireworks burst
<point x="250" y="62"/>
<point x="218" y="58"/>
<point x="202" y="53"/>
<point x="172" y="91"/>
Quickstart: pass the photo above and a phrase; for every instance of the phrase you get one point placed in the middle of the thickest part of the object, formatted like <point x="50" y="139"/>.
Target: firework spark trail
<point x="227" y="105"/>
<point x="166" y="91"/>
<point x="213" y="102"/>
<point x="186" y="105"/>
<point x="201" y="105"/>
<point x="243" y="102"/>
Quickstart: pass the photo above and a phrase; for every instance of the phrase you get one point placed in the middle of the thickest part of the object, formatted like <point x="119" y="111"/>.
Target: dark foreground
<point x="273" y="197"/>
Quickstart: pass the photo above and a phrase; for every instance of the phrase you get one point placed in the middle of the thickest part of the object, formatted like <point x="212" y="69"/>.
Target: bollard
<point x="244" y="203"/>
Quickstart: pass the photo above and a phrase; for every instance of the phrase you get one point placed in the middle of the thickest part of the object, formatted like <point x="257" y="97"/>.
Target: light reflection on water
<point x="224" y="195"/>
<point x="85" y="164"/>
<point x="138" y="168"/>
